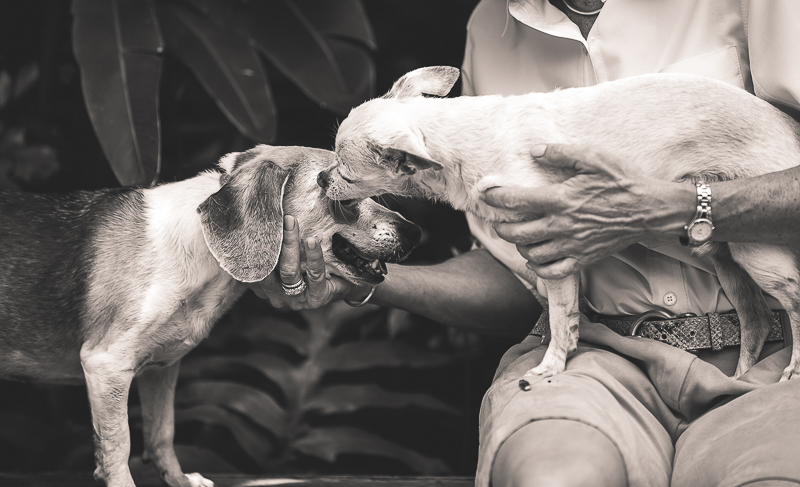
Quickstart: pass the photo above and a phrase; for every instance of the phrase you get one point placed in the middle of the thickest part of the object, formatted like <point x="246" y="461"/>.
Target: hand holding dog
<point x="606" y="206"/>
<point x="322" y="287"/>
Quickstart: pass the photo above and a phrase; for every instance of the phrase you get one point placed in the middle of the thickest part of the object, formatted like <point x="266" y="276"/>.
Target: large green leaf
<point x="226" y="65"/>
<point x="257" y="446"/>
<point x="329" y="443"/>
<point x="119" y="50"/>
<point x="283" y="33"/>
<point x="336" y="316"/>
<point x="256" y="405"/>
<point x="274" y="368"/>
<point x="369" y="354"/>
<point x="344" y="19"/>
<point x="350" y="398"/>
<point x="273" y="329"/>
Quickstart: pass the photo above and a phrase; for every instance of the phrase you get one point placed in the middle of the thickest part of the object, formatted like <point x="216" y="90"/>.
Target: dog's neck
<point x="475" y="154"/>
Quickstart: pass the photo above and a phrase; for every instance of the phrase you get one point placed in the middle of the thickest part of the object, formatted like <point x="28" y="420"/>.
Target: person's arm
<point x="609" y="205"/>
<point x="472" y="291"/>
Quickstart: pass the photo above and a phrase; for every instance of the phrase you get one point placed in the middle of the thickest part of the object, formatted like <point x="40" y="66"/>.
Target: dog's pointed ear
<point x="434" y="81"/>
<point x="406" y="155"/>
<point x="243" y="222"/>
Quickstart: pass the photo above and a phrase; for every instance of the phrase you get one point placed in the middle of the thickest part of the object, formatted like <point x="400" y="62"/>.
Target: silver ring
<point x="294" y="289"/>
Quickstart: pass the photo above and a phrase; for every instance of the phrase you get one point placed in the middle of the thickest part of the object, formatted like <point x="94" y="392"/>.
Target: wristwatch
<point x="699" y="230"/>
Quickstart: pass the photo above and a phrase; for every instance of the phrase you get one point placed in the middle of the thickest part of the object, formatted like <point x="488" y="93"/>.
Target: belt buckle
<point x="655" y="314"/>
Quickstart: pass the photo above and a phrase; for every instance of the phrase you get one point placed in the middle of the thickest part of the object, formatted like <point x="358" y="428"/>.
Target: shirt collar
<point x="545" y="17"/>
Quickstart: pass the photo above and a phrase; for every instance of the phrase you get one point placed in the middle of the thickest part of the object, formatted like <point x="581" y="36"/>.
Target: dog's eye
<point x="344" y="211"/>
<point x="347" y="180"/>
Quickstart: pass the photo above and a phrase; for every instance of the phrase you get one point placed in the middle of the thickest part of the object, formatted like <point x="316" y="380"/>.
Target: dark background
<point x="48" y="428"/>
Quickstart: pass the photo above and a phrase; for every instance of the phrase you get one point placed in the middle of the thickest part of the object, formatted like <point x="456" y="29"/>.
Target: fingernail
<point x="288" y="222"/>
<point x="311" y="243"/>
<point x="538" y="150"/>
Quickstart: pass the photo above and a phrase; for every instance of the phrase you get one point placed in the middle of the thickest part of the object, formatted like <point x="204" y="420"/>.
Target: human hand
<point x="606" y="206"/>
<point x="321" y="287"/>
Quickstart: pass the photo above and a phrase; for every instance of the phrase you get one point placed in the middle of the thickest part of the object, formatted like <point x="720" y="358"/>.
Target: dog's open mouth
<point x="370" y="269"/>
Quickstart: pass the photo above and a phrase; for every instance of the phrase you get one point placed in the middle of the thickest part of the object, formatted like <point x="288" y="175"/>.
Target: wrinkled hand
<point x="606" y="206"/>
<point x="322" y="288"/>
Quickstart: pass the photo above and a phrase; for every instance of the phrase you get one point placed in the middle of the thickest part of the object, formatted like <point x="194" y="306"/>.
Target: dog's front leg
<point x="562" y="297"/>
<point x="157" y="393"/>
<point x="108" y="380"/>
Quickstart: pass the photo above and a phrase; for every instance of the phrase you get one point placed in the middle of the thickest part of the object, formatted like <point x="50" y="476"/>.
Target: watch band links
<point x="703" y="213"/>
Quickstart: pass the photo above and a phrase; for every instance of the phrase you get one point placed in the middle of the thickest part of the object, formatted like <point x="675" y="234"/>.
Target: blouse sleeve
<point x="773" y="30"/>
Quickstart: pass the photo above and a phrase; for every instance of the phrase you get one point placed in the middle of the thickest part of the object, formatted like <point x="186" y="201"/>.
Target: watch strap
<point x="703" y="212"/>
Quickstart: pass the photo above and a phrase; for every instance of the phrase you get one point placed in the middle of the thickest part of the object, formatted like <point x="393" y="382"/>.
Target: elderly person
<point x="626" y="411"/>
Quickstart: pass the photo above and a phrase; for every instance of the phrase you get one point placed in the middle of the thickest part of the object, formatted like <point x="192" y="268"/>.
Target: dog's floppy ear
<point x="406" y="155"/>
<point x="243" y="222"/>
<point x="434" y="80"/>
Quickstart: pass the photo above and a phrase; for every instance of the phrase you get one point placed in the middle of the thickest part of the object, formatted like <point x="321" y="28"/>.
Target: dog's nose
<point x="323" y="180"/>
<point x="411" y="233"/>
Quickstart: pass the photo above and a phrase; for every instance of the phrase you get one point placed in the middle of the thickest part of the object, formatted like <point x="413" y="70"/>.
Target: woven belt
<point x="687" y="332"/>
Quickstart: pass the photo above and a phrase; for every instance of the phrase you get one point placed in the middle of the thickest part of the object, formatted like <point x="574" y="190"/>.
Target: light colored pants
<point x="675" y="419"/>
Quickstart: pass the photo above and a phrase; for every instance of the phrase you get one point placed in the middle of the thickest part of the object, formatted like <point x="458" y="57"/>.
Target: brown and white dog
<point x="675" y="126"/>
<point x="110" y="285"/>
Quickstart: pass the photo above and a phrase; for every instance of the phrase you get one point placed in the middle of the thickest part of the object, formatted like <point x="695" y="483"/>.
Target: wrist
<point x="679" y="203"/>
<point x="358" y="293"/>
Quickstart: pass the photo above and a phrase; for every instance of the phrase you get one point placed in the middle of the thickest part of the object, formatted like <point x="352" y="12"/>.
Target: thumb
<point x="572" y="158"/>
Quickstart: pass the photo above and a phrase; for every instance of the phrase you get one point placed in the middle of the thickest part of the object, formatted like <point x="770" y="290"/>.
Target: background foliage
<point x="337" y="390"/>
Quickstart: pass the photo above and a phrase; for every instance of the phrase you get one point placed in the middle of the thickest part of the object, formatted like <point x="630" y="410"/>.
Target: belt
<point x="687" y="331"/>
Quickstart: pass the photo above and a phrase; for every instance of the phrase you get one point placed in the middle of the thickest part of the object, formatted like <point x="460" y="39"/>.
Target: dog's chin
<point x="354" y="265"/>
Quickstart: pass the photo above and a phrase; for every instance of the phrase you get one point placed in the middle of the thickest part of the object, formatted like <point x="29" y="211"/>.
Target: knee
<point x="558" y="453"/>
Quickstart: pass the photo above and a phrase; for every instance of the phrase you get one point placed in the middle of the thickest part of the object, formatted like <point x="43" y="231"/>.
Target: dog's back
<point x="46" y="241"/>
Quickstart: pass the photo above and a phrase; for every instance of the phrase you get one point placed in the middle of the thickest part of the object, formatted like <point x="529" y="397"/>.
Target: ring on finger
<point x="294" y="289"/>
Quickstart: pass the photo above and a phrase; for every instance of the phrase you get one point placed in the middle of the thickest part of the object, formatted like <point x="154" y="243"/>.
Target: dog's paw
<point x="791" y="372"/>
<point x="547" y="368"/>
<point x="197" y="480"/>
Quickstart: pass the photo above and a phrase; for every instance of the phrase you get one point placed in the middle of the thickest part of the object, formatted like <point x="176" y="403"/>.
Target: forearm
<point x="763" y="209"/>
<point x="471" y="291"/>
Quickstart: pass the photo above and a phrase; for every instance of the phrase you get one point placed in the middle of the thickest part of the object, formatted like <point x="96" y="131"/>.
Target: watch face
<point x="700" y="231"/>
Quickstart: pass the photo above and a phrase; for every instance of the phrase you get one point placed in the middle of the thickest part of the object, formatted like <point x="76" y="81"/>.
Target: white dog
<point x="675" y="126"/>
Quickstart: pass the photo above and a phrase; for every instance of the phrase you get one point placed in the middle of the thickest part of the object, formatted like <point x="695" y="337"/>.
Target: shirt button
<point x="670" y="298"/>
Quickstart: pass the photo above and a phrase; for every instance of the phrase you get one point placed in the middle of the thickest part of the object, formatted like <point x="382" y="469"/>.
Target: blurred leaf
<point x="283" y="33"/>
<point x="398" y="321"/>
<point x="5" y="88"/>
<point x="273" y="329"/>
<point x="26" y="77"/>
<point x="257" y="406"/>
<point x="34" y="163"/>
<point x="329" y="443"/>
<point x="336" y="315"/>
<point x="272" y="367"/>
<point x="365" y="355"/>
<point x="339" y="18"/>
<point x="226" y="65"/>
<point x="191" y="459"/>
<point x="118" y="47"/>
<point x="349" y="398"/>
<point x="255" y="445"/>
<point x="24" y="432"/>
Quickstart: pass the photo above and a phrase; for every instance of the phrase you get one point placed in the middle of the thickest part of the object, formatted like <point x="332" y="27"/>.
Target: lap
<point x="603" y="392"/>
<point x="613" y="400"/>
<point x="752" y="438"/>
